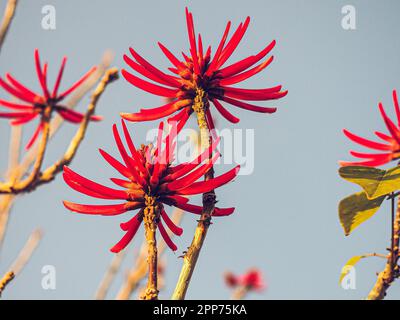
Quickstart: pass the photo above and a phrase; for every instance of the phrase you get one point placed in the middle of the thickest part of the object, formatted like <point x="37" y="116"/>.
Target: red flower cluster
<point x="390" y="146"/>
<point x="252" y="280"/>
<point x="200" y="71"/>
<point x="150" y="177"/>
<point x="35" y="104"/>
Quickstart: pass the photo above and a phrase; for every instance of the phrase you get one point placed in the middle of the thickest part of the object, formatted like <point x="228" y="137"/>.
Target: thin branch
<point x="391" y="271"/>
<point x="12" y="172"/>
<point x="22" y="259"/>
<point x="8" y="16"/>
<point x="139" y="270"/>
<point x="8" y="277"/>
<point x="209" y="200"/>
<point x="109" y="276"/>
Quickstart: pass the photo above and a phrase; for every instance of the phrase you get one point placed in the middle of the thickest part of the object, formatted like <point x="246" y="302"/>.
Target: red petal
<point x="247" y="74"/>
<point x="59" y="77"/>
<point x="41" y="76"/>
<point x="77" y="84"/>
<point x="248" y="106"/>
<point x="93" y="186"/>
<point x="103" y="210"/>
<point x="224" y="112"/>
<point x="214" y="62"/>
<point x="233" y="43"/>
<point x="394" y="131"/>
<point x="35" y="136"/>
<point x="255" y="94"/>
<point x="147" y="86"/>
<point x="127" y="238"/>
<point x="116" y="164"/>
<point x="166" y="237"/>
<point x="207" y="186"/>
<point x="16" y="106"/>
<point x="366" y="143"/>
<point x="396" y="106"/>
<point x="174" y="60"/>
<point x="245" y="63"/>
<point x="16" y="93"/>
<point x="165" y="78"/>
<point x="24" y="120"/>
<point x="170" y="224"/>
<point x="24" y="90"/>
<point x="192" y="40"/>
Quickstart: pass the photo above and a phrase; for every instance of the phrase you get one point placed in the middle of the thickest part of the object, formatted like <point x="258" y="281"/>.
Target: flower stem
<point x="209" y="199"/>
<point x="151" y="215"/>
<point x="391" y="271"/>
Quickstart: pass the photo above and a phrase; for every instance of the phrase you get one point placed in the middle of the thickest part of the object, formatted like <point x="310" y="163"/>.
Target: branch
<point x="8" y="277"/>
<point x="209" y="200"/>
<point x="139" y="270"/>
<point x="391" y="271"/>
<point x="22" y="259"/>
<point x="7" y="18"/>
<point x="109" y="276"/>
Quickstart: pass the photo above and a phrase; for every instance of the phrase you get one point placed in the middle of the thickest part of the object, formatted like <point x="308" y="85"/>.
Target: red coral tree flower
<point x="150" y="178"/>
<point x="389" y="149"/>
<point x="251" y="280"/>
<point x="35" y="104"/>
<point x="201" y="74"/>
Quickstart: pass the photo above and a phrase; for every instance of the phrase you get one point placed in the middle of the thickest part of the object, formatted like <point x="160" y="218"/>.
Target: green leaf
<point x="375" y="182"/>
<point x="356" y="209"/>
<point x="349" y="264"/>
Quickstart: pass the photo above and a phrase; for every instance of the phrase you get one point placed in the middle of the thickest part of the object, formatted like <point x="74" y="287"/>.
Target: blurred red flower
<point x="391" y="143"/>
<point x="34" y="104"/>
<point x="251" y="280"/>
<point x="199" y="71"/>
<point x="150" y="177"/>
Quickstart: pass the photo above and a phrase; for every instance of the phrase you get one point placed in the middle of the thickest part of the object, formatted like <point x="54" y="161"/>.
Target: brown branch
<point x="209" y="200"/>
<point x="12" y="172"/>
<point x="150" y="218"/>
<point x="36" y="178"/>
<point x="22" y="259"/>
<point x="8" y="16"/>
<point x="109" y="276"/>
<point x="139" y="270"/>
<point x="8" y="277"/>
<point x="391" y="271"/>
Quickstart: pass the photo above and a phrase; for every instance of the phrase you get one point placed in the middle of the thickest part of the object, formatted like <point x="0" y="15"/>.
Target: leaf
<point x="347" y="267"/>
<point x="356" y="209"/>
<point x="353" y="261"/>
<point x="375" y="182"/>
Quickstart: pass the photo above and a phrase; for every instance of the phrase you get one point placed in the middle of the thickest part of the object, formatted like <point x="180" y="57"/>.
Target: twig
<point x="8" y="277"/>
<point x="391" y="271"/>
<point x="7" y="18"/>
<point x="209" y="200"/>
<point x="22" y="259"/>
<point x="12" y="172"/>
<point x="109" y="276"/>
<point x="139" y="270"/>
<point x="36" y="178"/>
<point x="26" y="252"/>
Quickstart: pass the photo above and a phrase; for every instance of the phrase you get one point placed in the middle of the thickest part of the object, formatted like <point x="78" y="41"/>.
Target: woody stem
<point x="391" y="271"/>
<point x="190" y="259"/>
<point x="151" y="213"/>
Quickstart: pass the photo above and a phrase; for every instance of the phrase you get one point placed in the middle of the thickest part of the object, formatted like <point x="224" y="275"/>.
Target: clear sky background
<point x="286" y="221"/>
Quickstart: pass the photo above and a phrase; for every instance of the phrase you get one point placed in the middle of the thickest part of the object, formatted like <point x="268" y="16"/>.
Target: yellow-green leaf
<point x="375" y="182"/>
<point x="356" y="209"/>
<point x="349" y="264"/>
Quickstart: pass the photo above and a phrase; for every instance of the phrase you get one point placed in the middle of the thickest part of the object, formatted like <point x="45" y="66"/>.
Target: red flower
<point x="200" y="71"/>
<point x="149" y="177"/>
<point x="34" y="104"/>
<point x="251" y="280"/>
<point x="390" y="148"/>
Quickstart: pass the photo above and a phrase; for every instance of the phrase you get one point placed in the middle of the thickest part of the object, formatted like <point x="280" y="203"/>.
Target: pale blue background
<point x="286" y="220"/>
